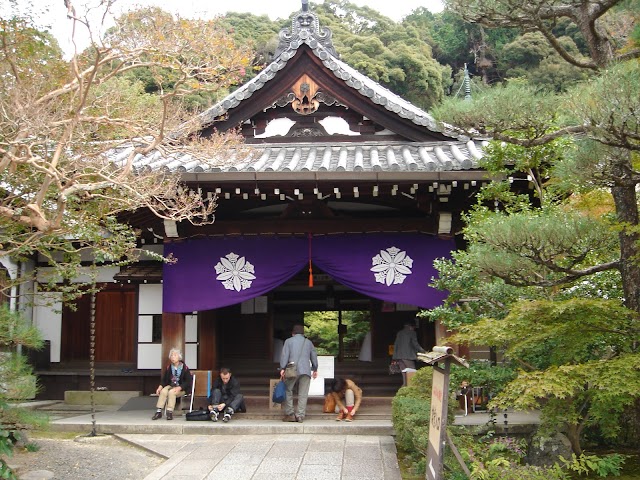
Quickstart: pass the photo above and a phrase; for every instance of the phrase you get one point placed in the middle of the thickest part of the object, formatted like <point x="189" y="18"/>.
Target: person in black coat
<point x="406" y="347"/>
<point x="176" y="382"/>
<point x="225" y="396"/>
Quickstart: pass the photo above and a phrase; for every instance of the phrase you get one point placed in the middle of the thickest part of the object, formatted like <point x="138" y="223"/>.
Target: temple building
<point x="341" y="199"/>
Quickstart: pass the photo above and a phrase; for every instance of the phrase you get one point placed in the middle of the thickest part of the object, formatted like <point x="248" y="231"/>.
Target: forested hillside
<point x="422" y="58"/>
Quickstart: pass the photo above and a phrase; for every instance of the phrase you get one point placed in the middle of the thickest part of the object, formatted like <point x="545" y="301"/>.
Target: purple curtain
<point x="216" y="272"/>
<point x="394" y="267"/>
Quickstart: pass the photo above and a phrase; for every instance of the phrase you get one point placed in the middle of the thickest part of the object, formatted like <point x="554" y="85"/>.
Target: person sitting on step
<point x="347" y="390"/>
<point x="176" y="382"/>
<point x="225" y="396"/>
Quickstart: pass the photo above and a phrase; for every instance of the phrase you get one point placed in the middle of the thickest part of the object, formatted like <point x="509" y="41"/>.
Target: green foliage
<point x="609" y="104"/>
<point x="571" y="351"/>
<point x="32" y="447"/>
<point x="544" y="247"/>
<point x="608" y="465"/>
<point x="471" y="295"/>
<point x="322" y="329"/>
<point x="392" y="54"/>
<point x="490" y="457"/>
<point x="411" y="417"/>
<point x="528" y="111"/>
<point x="481" y="373"/>
<point x="18" y="382"/>
<point x="499" y="469"/>
<point x="587" y="329"/>
<point x="530" y="56"/>
<point x="258" y="31"/>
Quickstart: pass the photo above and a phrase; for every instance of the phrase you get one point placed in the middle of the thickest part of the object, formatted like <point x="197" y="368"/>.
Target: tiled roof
<point x="326" y="157"/>
<point x="379" y="154"/>
<point x="318" y="39"/>
<point x="140" y="272"/>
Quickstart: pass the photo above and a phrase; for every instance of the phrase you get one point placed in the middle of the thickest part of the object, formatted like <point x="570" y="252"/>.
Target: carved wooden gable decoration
<point x="308" y="75"/>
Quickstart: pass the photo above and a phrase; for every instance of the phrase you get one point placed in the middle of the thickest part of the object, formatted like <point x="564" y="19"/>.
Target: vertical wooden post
<point x="172" y="335"/>
<point x="341" y="330"/>
<point x="438" y="420"/>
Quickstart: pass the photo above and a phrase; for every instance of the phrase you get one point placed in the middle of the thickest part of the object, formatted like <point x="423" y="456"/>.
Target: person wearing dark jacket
<point x="175" y="383"/>
<point x="225" y="396"/>
<point x="405" y="348"/>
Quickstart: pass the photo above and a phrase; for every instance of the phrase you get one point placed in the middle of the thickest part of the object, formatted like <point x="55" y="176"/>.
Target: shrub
<point x="601" y="466"/>
<point x="481" y="373"/>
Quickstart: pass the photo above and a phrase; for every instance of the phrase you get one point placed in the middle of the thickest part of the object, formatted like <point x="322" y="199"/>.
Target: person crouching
<point x="348" y="397"/>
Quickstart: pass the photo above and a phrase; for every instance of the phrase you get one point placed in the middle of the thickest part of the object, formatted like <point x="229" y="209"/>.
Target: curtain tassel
<point x="310" y="267"/>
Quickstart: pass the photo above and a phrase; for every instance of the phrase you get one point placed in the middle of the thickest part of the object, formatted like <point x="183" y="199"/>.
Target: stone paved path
<point x="272" y="457"/>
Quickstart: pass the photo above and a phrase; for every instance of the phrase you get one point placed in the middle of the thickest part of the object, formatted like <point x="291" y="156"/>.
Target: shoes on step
<point x="340" y="416"/>
<point x="156" y="416"/>
<point x="349" y="418"/>
<point x="299" y="419"/>
<point x="229" y="410"/>
<point x="226" y="418"/>
<point x="214" y="415"/>
<point x="289" y="418"/>
<point x="169" y="415"/>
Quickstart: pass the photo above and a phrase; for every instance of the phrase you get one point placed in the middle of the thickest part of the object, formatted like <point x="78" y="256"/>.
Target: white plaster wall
<point x="12" y="270"/>
<point x="47" y="316"/>
<point x="149" y="356"/>
<point x="149" y="303"/>
<point x="191" y="328"/>
<point x="150" y="298"/>
<point x="145" y="328"/>
<point x="10" y="265"/>
<point x="26" y="291"/>
<point x="191" y="355"/>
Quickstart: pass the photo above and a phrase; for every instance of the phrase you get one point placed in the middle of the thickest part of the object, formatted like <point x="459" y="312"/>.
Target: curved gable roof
<point x="306" y="31"/>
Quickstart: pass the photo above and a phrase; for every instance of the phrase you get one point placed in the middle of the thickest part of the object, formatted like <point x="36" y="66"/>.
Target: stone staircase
<point x="378" y="390"/>
<point x="372" y="377"/>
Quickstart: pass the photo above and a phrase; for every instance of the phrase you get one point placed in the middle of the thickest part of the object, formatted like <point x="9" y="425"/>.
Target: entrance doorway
<point x="338" y="333"/>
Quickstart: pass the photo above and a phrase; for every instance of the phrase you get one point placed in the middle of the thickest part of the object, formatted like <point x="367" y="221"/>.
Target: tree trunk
<point x="597" y="41"/>
<point x="573" y="434"/>
<point x="624" y="197"/>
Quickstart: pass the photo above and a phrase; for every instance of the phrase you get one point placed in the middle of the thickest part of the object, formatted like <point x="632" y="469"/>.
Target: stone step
<point x="100" y="397"/>
<point x="260" y="407"/>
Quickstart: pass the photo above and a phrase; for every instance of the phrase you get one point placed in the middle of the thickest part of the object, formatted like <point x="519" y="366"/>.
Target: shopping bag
<point x="279" y="392"/>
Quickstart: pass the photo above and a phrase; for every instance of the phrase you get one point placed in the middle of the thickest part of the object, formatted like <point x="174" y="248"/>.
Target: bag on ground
<point x="197" y="416"/>
<point x="329" y="404"/>
<point x="279" y="392"/>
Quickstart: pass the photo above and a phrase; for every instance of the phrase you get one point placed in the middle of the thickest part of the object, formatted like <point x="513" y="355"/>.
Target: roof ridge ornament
<point x="305" y="28"/>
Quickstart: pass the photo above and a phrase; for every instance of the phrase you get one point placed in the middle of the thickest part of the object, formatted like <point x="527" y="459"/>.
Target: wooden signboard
<point x="437" y="423"/>
<point x="438" y="415"/>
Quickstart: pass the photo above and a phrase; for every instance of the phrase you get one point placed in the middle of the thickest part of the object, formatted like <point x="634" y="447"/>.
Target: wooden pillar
<point x="172" y="335"/>
<point x="207" y="340"/>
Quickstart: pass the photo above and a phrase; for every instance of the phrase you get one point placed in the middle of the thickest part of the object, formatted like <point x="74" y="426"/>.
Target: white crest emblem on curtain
<point x="235" y="272"/>
<point x="391" y="266"/>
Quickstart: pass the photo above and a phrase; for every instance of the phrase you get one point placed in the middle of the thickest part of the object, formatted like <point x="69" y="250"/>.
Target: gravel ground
<point x="103" y="457"/>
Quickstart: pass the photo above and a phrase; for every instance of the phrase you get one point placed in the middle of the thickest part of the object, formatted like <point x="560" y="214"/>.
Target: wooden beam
<point x="315" y="226"/>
